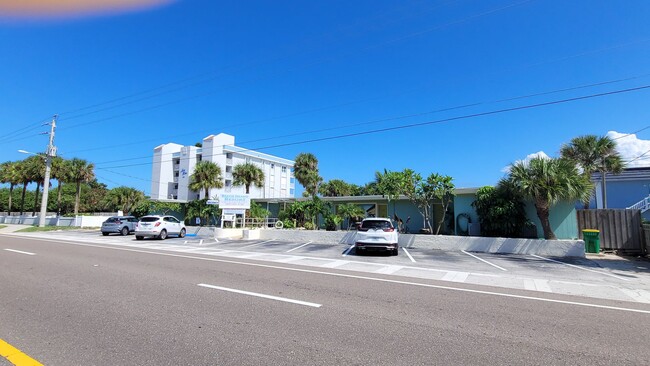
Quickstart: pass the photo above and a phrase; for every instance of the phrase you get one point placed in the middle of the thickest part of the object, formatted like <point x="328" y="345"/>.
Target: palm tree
<point x="35" y="169"/>
<point x="546" y="181"/>
<point x="80" y="171"/>
<point x="124" y="198"/>
<point x="60" y="172"/>
<point x="22" y="177"/>
<point x="247" y="174"/>
<point x="206" y="175"/>
<point x="306" y="172"/>
<point x="594" y="154"/>
<point x="8" y="175"/>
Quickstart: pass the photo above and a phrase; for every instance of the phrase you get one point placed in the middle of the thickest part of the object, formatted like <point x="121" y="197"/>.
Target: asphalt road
<point x="72" y="304"/>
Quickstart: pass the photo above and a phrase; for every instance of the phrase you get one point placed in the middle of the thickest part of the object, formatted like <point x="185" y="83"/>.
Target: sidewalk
<point x="11" y="228"/>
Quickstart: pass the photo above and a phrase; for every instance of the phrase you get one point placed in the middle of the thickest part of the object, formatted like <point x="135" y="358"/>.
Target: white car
<point x="159" y="227"/>
<point x="377" y="234"/>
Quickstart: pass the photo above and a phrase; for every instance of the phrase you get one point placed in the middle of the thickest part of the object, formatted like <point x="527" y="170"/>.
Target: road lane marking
<point x="291" y="250"/>
<point x="484" y="261"/>
<point x="16" y="356"/>
<point x="347" y="251"/>
<point x="19" y="251"/>
<point x="408" y="254"/>
<point x="582" y="268"/>
<point x="270" y="297"/>
<point x="345" y="275"/>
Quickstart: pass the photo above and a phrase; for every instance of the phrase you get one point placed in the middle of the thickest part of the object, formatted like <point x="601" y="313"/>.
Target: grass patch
<point x="3" y="226"/>
<point x="49" y="228"/>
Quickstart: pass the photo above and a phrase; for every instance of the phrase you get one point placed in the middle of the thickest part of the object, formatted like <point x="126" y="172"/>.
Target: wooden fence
<point x="620" y="229"/>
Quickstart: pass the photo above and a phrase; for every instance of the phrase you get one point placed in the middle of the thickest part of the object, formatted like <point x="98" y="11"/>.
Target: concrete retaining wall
<point x="547" y="248"/>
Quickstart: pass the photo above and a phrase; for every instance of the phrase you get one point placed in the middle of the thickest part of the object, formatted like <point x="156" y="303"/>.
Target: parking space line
<point x="291" y="250"/>
<point x="345" y="254"/>
<point x="19" y="251"/>
<point x="484" y="261"/>
<point x="582" y="268"/>
<point x="270" y="297"/>
<point x="408" y="254"/>
<point x="252" y="245"/>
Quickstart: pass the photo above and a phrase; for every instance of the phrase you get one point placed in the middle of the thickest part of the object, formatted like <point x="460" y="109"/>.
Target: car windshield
<point x="112" y="219"/>
<point x="376" y="224"/>
<point x="149" y="219"/>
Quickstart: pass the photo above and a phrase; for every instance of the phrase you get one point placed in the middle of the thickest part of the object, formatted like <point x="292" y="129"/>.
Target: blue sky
<point x="284" y="72"/>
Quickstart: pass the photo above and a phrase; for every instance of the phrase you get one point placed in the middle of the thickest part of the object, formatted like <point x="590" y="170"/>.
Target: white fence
<point x="80" y="221"/>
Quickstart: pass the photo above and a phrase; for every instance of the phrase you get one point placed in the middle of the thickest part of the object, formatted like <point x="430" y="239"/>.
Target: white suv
<point x="159" y="227"/>
<point x="377" y="234"/>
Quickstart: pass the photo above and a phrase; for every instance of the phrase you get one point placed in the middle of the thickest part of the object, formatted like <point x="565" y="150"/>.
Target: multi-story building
<point x="173" y="165"/>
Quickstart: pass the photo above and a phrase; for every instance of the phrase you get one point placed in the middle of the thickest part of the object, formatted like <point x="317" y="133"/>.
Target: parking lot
<point x="601" y="277"/>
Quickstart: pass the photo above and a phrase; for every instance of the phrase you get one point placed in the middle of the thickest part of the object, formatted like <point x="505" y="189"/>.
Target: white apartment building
<point x="173" y="164"/>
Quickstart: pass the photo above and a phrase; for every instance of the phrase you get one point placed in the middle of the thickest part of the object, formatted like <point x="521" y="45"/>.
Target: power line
<point x="420" y="124"/>
<point x="419" y="114"/>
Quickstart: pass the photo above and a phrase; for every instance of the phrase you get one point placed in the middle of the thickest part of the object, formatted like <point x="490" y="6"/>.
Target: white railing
<point x="267" y="223"/>
<point x="643" y="205"/>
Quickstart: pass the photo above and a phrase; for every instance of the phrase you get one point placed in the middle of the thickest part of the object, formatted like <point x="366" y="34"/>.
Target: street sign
<point x="212" y="202"/>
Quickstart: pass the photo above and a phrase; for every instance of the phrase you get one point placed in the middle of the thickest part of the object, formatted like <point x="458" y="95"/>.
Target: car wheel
<point x="138" y="237"/>
<point x="124" y="231"/>
<point x="395" y="251"/>
<point x="163" y="235"/>
<point x="105" y="234"/>
<point x="182" y="233"/>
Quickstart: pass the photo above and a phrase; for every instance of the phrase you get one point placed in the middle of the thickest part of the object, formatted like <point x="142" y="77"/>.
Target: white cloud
<point x="539" y="154"/>
<point x="634" y="151"/>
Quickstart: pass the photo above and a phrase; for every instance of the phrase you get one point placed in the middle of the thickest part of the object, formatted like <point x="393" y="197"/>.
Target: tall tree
<point x="35" y="169"/>
<point x="390" y="185"/>
<point x="546" y="181"/>
<point x="337" y="188"/>
<point x="248" y="174"/>
<point x="8" y="175"/>
<point x="124" y="198"/>
<point x="207" y="175"/>
<point x="60" y="172"/>
<point x="306" y="172"/>
<point x="81" y="171"/>
<point x="594" y="154"/>
<point x="442" y="188"/>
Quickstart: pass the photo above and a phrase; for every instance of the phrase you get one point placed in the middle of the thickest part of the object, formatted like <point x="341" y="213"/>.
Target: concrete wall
<point x="547" y="248"/>
<point x="83" y="221"/>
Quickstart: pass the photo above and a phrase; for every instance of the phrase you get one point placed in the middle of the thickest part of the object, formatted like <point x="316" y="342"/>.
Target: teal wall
<point x="463" y="204"/>
<point x="563" y="216"/>
<point x="564" y="221"/>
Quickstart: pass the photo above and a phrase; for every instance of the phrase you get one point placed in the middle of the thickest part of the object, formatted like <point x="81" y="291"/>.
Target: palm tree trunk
<point x="248" y="188"/>
<point x="58" y="199"/>
<point x="22" y="199"/>
<point x="38" y="188"/>
<point x="604" y="186"/>
<point x="543" y="212"/>
<point x="76" y="199"/>
<point x="11" y="192"/>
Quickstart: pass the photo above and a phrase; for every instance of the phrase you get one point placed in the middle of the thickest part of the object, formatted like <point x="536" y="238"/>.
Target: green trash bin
<point x="592" y="240"/>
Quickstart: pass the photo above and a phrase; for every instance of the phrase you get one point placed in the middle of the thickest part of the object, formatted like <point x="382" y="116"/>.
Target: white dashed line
<point x="484" y="261"/>
<point x="270" y="297"/>
<point x="19" y="251"/>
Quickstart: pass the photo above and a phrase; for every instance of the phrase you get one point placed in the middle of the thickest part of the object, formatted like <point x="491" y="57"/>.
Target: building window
<point x="272" y="166"/>
<point x="175" y="186"/>
<point x="175" y="174"/>
<point x="199" y="158"/>
<point x="284" y="169"/>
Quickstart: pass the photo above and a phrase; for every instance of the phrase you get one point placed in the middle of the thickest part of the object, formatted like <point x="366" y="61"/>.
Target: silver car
<point x="159" y="227"/>
<point x="119" y="224"/>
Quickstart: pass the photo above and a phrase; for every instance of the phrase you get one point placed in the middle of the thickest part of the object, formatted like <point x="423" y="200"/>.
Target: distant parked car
<point x="159" y="227"/>
<point x="119" y="224"/>
<point x="377" y="234"/>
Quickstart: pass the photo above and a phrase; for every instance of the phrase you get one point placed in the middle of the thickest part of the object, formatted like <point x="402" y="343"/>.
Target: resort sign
<point x="234" y="201"/>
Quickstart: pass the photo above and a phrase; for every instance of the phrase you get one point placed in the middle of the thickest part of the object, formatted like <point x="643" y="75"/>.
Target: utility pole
<point x="49" y="154"/>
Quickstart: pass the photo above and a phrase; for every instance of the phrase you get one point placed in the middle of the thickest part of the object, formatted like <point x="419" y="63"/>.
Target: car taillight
<point x="389" y="230"/>
<point x="157" y="224"/>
